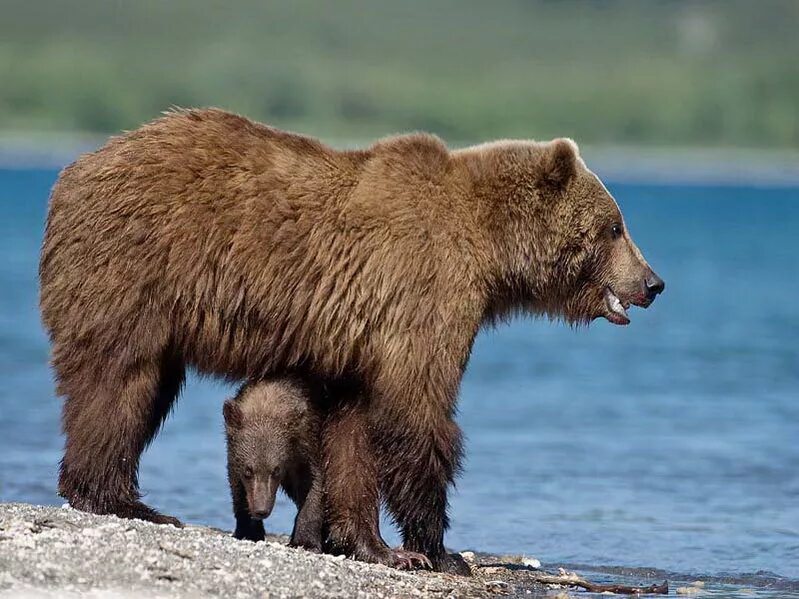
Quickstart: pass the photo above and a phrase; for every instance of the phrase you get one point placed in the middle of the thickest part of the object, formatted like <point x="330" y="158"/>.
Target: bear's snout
<point x="653" y="286"/>
<point x="261" y="497"/>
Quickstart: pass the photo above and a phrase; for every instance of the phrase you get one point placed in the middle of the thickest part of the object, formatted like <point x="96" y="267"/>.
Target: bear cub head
<point x="272" y="435"/>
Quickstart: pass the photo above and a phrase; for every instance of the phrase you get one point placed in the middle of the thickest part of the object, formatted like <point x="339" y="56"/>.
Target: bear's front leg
<point x="419" y="446"/>
<point x="351" y="498"/>
<point x="305" y="489"/>
<point x="351" y="493"/>
<point x="246" y="527"/>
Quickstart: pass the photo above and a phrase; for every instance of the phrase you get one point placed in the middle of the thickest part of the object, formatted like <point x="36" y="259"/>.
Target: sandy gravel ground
<point x="49" y="552"/>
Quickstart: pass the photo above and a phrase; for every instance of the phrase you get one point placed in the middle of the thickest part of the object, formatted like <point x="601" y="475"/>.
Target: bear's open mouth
<point x="616" y="311"/>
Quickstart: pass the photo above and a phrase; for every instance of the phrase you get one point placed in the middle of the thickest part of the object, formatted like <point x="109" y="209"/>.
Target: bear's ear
<point x="234" y="419"/>
<point x="559" y="163"/>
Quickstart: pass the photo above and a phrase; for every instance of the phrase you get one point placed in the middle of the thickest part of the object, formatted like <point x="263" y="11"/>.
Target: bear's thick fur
<point x="204" y="239"/>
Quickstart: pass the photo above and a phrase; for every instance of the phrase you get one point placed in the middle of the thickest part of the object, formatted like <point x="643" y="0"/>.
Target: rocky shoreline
<point x="60" y="552"/>
<point x="49" y="551"/>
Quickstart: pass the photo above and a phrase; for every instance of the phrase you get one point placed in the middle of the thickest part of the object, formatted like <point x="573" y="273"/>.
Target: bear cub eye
<point x="248" y="472"/>
<point x="616" y="230"/>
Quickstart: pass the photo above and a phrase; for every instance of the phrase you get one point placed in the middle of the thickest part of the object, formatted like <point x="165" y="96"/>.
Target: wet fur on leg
<point x="415" y="491"/>
<point x="90" y="478"/>
<point x="352" y="486"/>
<point x="352" y="495"/>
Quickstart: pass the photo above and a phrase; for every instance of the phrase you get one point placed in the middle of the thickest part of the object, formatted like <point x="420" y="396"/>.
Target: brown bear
<point x="273" y="434"/>
<point x="204" y="239"/>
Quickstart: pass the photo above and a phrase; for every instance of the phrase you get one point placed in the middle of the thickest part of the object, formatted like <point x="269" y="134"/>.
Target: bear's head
<point x="267" y="432"/>
<point x="564" y="248"/>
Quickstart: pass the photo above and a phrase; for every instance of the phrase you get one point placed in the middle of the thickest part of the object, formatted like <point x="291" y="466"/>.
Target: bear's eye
<point x="616" y="230"/>
<point x="248" y="472"/>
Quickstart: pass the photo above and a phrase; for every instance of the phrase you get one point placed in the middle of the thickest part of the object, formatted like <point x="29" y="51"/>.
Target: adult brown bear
<point x="204" y="239"/>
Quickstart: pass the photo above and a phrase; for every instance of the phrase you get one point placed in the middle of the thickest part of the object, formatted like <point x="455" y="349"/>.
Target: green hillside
<point x="665" y="72"/>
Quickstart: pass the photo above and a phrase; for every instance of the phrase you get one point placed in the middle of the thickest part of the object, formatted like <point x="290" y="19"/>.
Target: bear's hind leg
<point x="109" y="418"/>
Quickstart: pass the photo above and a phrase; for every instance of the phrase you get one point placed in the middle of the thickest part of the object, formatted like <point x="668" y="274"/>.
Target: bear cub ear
<point x="234" y="419"/>
<point x="559" y="162"/>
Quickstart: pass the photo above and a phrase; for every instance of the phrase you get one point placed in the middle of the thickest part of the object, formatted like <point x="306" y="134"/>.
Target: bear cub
<point x="273" y="440"/>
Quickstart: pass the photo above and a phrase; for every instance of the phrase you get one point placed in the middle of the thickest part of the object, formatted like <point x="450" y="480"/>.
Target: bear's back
<point x="250" y="250"/>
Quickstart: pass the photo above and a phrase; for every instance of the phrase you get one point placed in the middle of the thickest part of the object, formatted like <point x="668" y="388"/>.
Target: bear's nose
<point x="654" y="286"/>
<point x="260" y="514"/>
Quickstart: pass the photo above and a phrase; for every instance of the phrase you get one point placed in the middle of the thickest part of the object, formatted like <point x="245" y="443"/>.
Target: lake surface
<point x="671" y="444"/>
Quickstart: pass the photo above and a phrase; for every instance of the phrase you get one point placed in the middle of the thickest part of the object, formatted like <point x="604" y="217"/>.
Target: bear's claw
<point x="139" y="511"/>
<point x="410" y="560"/>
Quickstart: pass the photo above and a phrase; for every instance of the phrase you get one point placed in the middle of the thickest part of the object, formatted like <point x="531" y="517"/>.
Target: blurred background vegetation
<point x="667" y="72"/>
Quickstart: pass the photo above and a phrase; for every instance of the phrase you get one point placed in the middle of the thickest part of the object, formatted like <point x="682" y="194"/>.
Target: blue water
<point x="672" y="443"/>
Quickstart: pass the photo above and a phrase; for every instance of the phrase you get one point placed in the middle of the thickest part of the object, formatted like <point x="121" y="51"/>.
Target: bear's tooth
<point x="618" y="308"/>
<point x="614" y="303"/>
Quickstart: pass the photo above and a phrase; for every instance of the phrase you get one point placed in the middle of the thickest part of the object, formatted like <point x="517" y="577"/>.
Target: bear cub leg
<point x="305" y="489"/>
<point x="247" y="527"/>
